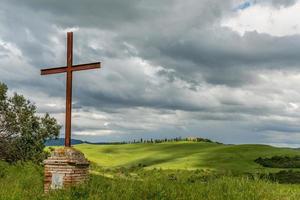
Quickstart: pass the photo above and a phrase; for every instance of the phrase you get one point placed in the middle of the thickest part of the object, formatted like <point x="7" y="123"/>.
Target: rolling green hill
<point x="184" y="155"/>
<point x="25" y="180"/>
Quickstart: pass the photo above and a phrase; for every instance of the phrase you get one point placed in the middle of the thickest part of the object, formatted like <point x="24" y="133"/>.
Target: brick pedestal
<point x="65" y="167"/>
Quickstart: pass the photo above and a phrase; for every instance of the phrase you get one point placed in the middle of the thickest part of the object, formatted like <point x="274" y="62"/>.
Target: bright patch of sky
<point x="254" y="16"/>
<point x="244" y="5"/>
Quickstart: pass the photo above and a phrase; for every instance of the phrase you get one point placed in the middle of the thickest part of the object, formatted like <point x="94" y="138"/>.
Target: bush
<point x="22" y="132"/>
<point x="284" y="176"/>
<point x="279" y="162"/>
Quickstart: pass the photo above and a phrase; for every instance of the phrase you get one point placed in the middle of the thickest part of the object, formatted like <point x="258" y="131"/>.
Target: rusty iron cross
<point x="69" y="70"/>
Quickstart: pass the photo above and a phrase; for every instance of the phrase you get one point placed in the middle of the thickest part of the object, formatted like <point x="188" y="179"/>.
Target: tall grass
<point x="26" y="182"/>
<point x="20" y="181"/>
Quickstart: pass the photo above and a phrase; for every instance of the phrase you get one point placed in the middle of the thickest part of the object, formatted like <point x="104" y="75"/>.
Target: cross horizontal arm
<point x="86" y="66"/>
<point x="73" y="68"/>
<point x="53" y="70"/>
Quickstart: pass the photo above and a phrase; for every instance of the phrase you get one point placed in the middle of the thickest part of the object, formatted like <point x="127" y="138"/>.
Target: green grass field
<point x="184" y="155"/>
<point x="172" y="170"/>
<point x="25" y="182"/>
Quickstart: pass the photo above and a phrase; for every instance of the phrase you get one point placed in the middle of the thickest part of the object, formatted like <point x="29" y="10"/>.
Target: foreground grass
<point x="26" y="182"/>
<point x="185" y="155"/>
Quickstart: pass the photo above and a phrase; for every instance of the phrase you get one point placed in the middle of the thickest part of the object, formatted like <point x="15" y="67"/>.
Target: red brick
<point x="70" y="163"/>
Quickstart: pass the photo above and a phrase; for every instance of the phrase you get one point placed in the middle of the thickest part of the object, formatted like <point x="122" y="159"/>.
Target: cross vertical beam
<point x="69" y="89"/>
<point x="69" y="73"/>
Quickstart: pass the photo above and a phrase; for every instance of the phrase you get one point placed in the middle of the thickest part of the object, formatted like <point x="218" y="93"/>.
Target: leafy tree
<point x="22" y="132"/>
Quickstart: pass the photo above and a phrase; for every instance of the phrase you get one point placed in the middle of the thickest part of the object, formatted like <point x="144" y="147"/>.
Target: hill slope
<point x="61" y="142"/>
<point x="184" y="155"/>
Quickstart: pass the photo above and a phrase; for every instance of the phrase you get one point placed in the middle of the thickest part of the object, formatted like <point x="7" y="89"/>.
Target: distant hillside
<point x="185" y="155"/>
<point x="61" y="142"/>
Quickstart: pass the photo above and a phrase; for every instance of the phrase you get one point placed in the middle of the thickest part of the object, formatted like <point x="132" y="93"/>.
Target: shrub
<point x="22" y="132"/>
<point x="284" y="176"/>
<point x="279" y="162"/>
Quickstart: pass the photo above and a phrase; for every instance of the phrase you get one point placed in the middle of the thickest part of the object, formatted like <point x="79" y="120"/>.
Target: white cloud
<point x="13" y="63"/>
<point x="265" y="19"/>
<point x="94" y="133"/>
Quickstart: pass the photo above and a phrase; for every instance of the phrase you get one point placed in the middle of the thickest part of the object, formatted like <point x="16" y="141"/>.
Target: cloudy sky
<point x="228" y="70"/>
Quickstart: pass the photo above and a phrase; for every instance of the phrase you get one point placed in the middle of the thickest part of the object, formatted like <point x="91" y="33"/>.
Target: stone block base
<point x="65" y="167"/>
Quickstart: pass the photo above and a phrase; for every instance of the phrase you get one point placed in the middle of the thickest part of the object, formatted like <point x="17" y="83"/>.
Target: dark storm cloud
<point x="107" y="13"/>
<point x="157" y="56"/>
<point x="252" y="49"/>
<point x="222" y="56"/>
<point x="184" y="42"/>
